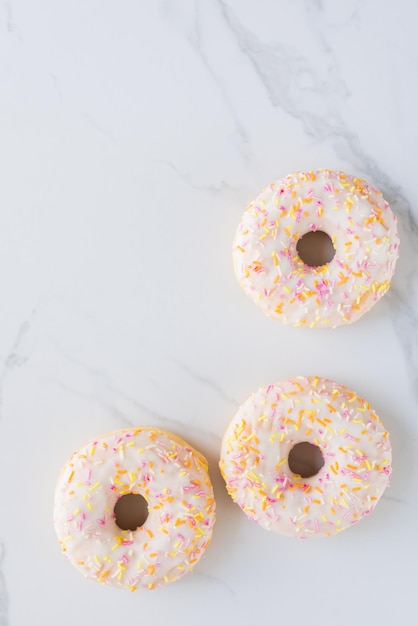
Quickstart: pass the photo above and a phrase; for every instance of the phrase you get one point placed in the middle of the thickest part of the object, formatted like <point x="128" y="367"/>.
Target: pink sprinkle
<point x="348" y="436"/>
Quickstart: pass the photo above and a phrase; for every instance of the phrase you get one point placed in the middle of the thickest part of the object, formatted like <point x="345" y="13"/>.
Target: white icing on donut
<point x="353" y="442"/>
<point x="363" y="231"/>
<point x="174" y="480"/>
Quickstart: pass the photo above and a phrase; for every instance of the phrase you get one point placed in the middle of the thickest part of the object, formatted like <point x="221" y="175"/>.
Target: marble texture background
<point x="133" y="134"/>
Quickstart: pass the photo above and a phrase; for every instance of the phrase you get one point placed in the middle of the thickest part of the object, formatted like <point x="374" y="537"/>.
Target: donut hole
<point x="131" y="511"/>
<point x="315" y="248"/>
<point x="305" y="459"/>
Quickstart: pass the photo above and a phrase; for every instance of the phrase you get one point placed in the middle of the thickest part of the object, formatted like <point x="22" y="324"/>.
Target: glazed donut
<point x="173" y="479"/>
<point x="363" y="231"/>
<point x="345" y="431"/>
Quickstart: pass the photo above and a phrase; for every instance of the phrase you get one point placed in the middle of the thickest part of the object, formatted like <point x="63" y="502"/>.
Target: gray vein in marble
<point x="293" y="84"/>
<point x="8" y="9"/>
<point x="103" y="131"/>
<point x="103" y="378"/>
<point x="207" y="382"/>
<point x="394" y="499"/>
<point x="125" y="421"/>
<point x="350" y="11"/>
<point x="289" y="80"/>
<point x="4" y="597"/>
<point x="169" y="421"/>
<point x="318" y="4"/>
<point x="105" y="381"/>
<point x="221" y="584"/>
<point x="218" y="188"/>
<point x="19" y="352"/>
<point x="15" y="358"/>
<point x="194" y="37"/>
<point x="17" y="355"/>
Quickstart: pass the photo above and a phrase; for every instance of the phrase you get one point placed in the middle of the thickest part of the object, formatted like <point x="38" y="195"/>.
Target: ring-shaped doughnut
<point x="174" y="480"/>
<point x="353" y="442"/>
<point x="363" y="231"/>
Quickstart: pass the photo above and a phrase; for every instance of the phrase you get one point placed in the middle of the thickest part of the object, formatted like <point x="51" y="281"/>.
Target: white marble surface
<point x="133" y="134"/>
